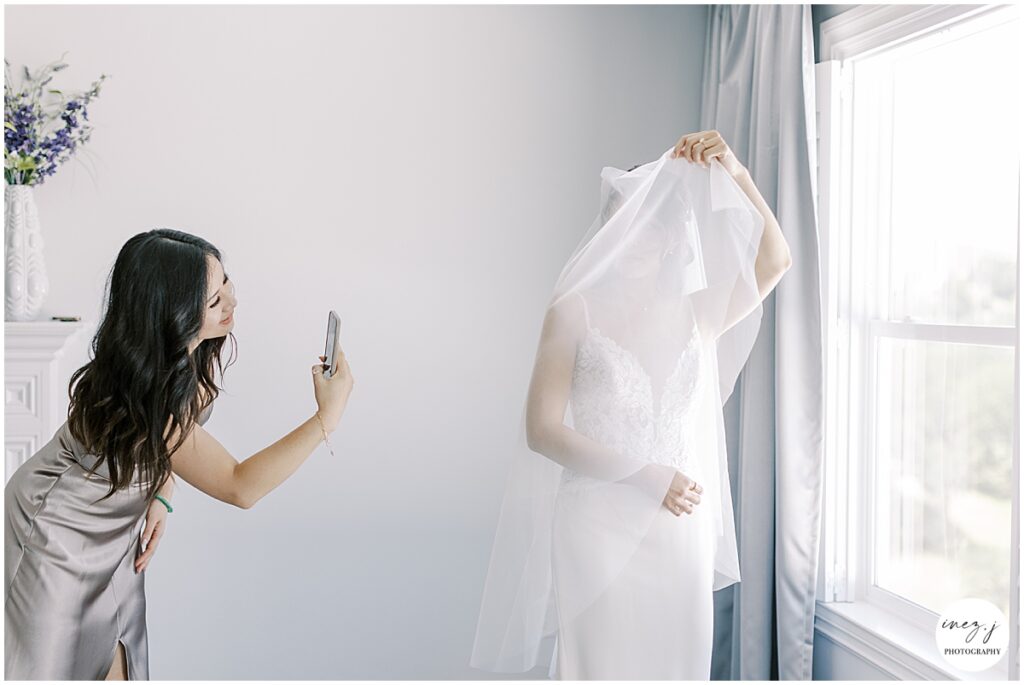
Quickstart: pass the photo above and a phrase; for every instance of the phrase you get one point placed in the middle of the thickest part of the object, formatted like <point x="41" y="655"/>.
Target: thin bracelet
<point x="321" y="422"/>
<point x="166" y="503"/>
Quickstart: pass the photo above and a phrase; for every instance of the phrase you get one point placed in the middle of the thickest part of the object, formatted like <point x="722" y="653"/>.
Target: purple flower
<point x="38" y="136"/>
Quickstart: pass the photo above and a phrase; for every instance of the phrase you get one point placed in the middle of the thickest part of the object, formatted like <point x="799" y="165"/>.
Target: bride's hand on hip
<point x="683" y="494"/>
<point x="703" y="146"/>
<point x="332" y="393"/>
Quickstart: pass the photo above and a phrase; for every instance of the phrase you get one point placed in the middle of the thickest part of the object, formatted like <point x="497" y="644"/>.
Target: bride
<point x="617" y="522"/>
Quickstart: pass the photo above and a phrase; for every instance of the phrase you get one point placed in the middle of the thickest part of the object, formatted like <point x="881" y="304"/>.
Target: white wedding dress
<point x="655" y="620"/>
<point x="660" y="307"/>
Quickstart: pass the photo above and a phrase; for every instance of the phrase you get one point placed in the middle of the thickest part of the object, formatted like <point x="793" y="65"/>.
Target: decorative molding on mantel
<point x="33" y="384"/>
<point x="39" y="340"/>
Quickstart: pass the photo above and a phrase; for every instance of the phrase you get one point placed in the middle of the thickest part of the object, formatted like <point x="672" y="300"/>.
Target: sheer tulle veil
<point x="669" y="256"/>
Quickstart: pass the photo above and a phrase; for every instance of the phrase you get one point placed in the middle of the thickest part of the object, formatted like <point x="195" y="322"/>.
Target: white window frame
<point x="894" y="635"/>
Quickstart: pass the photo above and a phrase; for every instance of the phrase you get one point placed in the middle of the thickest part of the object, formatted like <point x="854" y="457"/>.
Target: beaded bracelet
<point x="166" y="503"/>
<point x="322" y="430"/>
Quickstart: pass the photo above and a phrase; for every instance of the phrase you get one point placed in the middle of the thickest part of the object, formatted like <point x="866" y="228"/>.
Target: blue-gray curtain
<point x="758" y="92"/>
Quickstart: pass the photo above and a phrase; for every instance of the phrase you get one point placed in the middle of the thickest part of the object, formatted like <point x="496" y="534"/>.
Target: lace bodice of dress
<point x="613" y="401"/>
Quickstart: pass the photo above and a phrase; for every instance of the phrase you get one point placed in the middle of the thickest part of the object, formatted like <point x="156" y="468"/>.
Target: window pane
<point x="955" y="110"/>
<point x="944" y="439"/>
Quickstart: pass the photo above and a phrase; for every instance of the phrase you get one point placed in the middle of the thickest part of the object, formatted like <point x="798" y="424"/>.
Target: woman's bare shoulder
<point x="566" y="318"/>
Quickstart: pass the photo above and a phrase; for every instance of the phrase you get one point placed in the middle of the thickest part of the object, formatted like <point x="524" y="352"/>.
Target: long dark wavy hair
<point x="141" y="373"/>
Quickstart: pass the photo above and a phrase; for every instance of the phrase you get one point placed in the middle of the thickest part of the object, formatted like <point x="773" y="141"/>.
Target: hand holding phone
<point x="332" y="378"/>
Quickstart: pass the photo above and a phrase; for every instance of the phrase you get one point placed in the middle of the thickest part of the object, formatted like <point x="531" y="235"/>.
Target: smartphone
<point x="333" y="331"/>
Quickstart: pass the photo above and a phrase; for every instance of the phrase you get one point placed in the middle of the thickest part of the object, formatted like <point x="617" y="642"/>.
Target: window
<point x="919" y="199"/>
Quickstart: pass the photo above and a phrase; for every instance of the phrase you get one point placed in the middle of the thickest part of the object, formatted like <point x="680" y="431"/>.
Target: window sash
<point x="854" y="325"/>
<point x="875" y="331"/>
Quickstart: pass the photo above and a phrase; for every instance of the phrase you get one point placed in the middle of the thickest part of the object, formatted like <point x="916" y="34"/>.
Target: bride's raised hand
<point x="703" y="146"/>
<point x="683" y="494"/>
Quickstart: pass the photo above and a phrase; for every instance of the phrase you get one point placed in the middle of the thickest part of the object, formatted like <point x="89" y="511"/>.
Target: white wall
<point x="423" y="170"/>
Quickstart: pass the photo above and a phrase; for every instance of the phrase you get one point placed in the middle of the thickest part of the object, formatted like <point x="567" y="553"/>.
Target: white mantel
<point x="34" y="385"/>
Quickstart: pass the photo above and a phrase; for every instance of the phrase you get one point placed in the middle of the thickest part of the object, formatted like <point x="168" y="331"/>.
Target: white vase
<point x="26" y="281"/>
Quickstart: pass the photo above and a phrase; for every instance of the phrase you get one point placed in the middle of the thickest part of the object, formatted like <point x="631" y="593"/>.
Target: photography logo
<point x="972" y="634"/>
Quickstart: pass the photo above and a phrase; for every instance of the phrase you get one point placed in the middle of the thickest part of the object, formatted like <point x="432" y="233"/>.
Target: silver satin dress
<point x="69" y="568"/>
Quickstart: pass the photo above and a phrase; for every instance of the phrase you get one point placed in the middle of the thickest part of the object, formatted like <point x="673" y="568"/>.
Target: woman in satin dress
<point x="84" y="514"/>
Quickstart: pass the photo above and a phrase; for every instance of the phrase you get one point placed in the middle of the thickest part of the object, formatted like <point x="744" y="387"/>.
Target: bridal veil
<point x="667" y="264"/>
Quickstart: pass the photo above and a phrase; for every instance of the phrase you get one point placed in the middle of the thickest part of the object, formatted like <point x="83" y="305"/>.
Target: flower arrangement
<point x="35" y="142"/>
